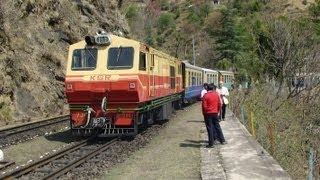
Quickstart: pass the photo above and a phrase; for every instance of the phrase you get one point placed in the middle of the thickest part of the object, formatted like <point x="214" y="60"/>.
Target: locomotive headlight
<point x="102" y="38"/>
<point x="132" y="85"/>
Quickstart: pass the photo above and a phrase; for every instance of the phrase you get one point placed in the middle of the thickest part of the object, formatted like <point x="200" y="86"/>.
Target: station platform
<point x="242" y="158"/>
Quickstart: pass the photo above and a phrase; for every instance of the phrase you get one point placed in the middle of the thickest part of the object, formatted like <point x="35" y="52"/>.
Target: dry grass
<point x="287" y="131"/>
<point x="173" y="154"/>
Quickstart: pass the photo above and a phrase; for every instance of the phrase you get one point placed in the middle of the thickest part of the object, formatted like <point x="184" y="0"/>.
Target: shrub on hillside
<point x="166" y="20"/>
<point x="132" y="12"/>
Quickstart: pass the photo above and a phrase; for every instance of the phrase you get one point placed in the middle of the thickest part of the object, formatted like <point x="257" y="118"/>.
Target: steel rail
<point x="24" y="170"/>
<point x="5" y="164"/>
<point x="31" y="126"/>
<point x="79" y="161"/>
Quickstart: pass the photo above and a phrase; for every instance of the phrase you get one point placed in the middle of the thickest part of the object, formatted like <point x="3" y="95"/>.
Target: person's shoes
<point x="215" y="142"/>
<point x="224" y="142"/>
<point x="209" y="146"/>
<point x="223" y="119"/>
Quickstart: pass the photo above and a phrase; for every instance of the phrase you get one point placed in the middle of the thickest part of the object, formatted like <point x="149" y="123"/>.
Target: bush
<point x="132" y="12"/>
<point x="166" y="20"/>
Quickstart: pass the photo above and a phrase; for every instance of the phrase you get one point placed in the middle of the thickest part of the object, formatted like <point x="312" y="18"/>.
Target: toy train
<point x="116" y="85"/>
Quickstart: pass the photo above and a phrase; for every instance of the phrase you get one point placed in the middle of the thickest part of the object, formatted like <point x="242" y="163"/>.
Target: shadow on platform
<point x="196" y="121"/>
<point x="196" y="142"/>
<point x="192" y="143"/>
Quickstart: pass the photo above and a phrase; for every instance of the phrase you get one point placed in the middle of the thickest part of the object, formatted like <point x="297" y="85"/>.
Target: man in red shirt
<point x="211" y="106"/>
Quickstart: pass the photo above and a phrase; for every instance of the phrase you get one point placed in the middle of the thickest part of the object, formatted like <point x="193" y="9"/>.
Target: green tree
<point x="232" y="38"/>
<point x="149" y="37"/>
<point x="166" y="20"/>
<point x="132" y="12"/>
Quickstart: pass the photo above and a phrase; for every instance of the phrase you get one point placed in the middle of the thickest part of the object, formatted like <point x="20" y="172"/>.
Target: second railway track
<point x="22" y="132"/>
<point x="85" y="159"/>
<point x="61" y="162"/>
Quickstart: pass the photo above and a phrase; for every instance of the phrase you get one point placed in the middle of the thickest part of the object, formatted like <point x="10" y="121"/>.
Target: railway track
<point x="57" y="164"/>
<point x="5" y="164"/>
<point x="27" y="130"/>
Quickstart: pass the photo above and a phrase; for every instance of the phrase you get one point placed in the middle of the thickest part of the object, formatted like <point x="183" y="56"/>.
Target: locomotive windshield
<point x="120" y="58"/>
<point x="84" y="59"/>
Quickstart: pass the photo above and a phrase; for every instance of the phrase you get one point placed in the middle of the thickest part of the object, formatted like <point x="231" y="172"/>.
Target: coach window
<point x="197" y="79"/>
<point x="189" y="79"/>
<point x="84" y="59"/>
<point x="120" y="58"/>
<point x="197" y="83"/>
<point x="193" y="80"/>
<point x="142" y="61"/>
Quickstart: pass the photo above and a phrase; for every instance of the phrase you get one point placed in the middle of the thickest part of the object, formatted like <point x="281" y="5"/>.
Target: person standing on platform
<point x="204" y="90"/>
<point x="211" y="106"/>
<point x="224" y="93"/>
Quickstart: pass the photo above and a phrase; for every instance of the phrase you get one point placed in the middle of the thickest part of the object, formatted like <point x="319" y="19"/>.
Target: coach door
<point x="151" y="75"/>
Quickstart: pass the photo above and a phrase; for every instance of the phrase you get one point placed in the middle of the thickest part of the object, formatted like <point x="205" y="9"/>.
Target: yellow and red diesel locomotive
<point x="115" y="85"/>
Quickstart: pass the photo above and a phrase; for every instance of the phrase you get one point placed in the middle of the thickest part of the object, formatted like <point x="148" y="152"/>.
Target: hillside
<point x="34" y="37"/>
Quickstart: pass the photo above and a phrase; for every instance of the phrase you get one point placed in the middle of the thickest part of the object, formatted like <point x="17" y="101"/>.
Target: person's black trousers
<point x="223" y="111"/>
<point x="213" y="118"/>
<point x="210" y="129"/>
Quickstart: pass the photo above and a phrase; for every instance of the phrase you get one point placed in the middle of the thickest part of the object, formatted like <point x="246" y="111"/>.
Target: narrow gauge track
<point x="21" y="132"/>
<point x="5" y="164"/>
<point x="61" y="162"/>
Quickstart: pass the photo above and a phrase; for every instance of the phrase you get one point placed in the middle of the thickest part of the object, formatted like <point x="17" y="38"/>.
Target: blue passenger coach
<point x="192" y="82"/>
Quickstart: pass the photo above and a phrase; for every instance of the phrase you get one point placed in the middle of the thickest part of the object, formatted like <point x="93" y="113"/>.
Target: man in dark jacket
<point x="211" y="106"/>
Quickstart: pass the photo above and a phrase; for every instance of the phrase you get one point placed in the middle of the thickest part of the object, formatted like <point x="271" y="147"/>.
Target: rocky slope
<point x="34" y="39"/>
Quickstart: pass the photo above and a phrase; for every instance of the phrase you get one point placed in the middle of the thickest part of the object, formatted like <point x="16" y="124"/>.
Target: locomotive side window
<point x="120" y="58"/>
<point x="142" y="61"/>
<point x="172" y="77"/>
<point x="84" y="59"/>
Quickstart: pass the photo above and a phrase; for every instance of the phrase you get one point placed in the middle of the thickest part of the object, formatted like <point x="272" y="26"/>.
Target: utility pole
<point x="194" y="55"/>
